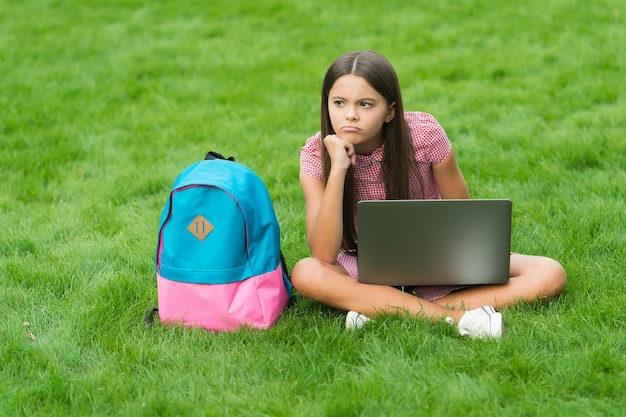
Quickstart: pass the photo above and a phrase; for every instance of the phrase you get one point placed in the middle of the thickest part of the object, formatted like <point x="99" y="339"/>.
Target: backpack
<point x="218" y="259"/>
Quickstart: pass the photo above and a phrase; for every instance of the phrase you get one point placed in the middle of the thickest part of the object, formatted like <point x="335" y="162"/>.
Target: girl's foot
<point x="355" y="320"/>
<point x="483" y="322"/>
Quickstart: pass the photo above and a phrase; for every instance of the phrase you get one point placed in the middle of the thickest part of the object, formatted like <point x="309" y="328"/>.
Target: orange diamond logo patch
<point x="200" y="227"/>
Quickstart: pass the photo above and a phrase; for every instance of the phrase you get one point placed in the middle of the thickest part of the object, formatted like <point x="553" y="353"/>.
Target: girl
<point x="368" y="148"/>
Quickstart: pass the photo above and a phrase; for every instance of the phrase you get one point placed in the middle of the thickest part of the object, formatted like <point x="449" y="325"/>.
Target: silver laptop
<point x="434" y="242"/>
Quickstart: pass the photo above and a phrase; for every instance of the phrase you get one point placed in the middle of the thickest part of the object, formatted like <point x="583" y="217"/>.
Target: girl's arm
<point x="324" y="219"/>
<point x="324" y="204"/>
<point x="449" y="179"/>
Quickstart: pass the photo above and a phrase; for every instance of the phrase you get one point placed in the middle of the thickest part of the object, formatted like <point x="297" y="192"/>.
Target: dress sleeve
<point x="311" y="157"/>
<point x="429" y="139"/>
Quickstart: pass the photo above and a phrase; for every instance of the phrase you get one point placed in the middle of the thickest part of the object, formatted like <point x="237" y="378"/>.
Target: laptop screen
<point x="434" y="242"/>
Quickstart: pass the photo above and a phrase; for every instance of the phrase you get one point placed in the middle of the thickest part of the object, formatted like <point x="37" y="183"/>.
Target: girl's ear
<point x="391" y="113"/>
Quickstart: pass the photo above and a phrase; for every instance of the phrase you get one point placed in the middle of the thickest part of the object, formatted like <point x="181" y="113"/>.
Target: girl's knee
<point x="302" y="275"/>
<point x="553" y="276"/>
<point x="559" y="277"/>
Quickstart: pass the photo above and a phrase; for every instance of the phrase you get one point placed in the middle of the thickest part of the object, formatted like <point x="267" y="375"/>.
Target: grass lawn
<point x="103" y="103"/>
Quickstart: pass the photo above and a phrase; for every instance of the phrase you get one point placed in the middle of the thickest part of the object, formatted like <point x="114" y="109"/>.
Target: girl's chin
<point x="353" y="138"/>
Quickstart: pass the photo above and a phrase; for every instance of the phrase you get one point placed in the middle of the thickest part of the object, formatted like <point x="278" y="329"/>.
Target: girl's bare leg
<point x="533" y="278"/>
<point x="330" y="284"/>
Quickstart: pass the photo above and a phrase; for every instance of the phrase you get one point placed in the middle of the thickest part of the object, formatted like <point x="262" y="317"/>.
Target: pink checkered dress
<point x="431" y="146"/>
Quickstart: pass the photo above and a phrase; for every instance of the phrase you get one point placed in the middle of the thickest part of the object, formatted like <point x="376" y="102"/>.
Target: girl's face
<point x="357" y="113"/>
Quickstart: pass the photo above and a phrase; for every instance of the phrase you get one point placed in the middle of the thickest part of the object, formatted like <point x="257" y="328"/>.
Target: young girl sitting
<point x="370" y="149"/>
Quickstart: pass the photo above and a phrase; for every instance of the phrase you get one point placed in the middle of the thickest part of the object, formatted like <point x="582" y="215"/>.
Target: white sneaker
<point x="480" y="323"/>
<point x="355" y="320"/>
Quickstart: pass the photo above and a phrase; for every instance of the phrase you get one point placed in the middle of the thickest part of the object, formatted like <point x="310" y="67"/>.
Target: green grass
<point x="103" y="103"/>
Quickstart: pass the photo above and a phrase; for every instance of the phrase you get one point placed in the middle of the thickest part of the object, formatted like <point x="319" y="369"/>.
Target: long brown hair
<point x="398" y="158"/>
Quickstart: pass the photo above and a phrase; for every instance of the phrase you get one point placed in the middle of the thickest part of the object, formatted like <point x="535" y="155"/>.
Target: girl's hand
<point x="341" y="153"/>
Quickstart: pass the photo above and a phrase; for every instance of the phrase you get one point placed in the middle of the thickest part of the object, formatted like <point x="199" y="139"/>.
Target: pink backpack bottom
<point x="256" y="302"/>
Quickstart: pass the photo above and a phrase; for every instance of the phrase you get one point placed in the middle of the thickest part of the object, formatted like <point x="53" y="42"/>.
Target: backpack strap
<point x="283" y="263"/>
<point x="293" y="298"/>
<point x="215" y="155"/>
<point x="150" y="315"/>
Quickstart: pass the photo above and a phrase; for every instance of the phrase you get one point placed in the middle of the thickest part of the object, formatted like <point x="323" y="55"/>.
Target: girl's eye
<point x="366" y="104"/>
<point x="338" y="103"/>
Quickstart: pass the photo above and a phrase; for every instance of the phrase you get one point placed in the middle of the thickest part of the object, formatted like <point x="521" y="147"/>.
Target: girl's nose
<point x="351" y="113"/>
